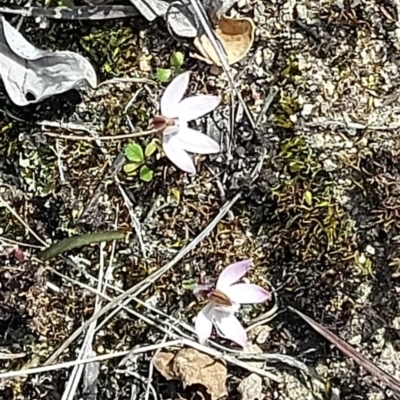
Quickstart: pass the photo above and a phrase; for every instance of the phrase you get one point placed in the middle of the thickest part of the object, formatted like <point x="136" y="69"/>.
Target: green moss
<point x="308" y="203"/>
<point x="298" y="157"/>
<point x="112" y="48"/>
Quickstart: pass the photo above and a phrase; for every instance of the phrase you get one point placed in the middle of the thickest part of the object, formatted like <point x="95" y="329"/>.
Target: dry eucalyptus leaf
<point x="31" y="75"/>
<point x="251" y="388"/>
<point x="235" y="35"/>
<point x="194" y="368"/>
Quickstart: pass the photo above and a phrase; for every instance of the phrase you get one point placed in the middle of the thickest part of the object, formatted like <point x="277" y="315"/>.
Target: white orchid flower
<point x="225" y="300"/>
<point x="178" y="139"/>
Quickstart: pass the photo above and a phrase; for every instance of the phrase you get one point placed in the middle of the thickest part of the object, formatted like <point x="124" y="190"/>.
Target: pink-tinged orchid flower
<point x="178" y="139"/>
<point x="225" y="300"/>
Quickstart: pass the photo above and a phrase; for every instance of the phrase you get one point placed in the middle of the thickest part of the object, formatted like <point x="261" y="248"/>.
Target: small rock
<point x="329" y="165"/>
<point x="263" y="336"/>
<point x="240" y="151"/>
<point x="307" y="110"/>
<point x="370" y="250"/>
<point x="301" y="11"/>
<point x="251" y="388"/>
<point x="362" y="259"/>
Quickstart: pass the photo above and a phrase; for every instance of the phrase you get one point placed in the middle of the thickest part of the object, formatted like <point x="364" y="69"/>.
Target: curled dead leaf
<point x="193" y="368"/>
<point x="31" y="75"/>
<point x="235" y="34"/>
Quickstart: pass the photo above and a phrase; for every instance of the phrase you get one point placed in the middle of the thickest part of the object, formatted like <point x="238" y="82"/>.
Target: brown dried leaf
<point x="236" y="36"/>
<point x="162" y="361"/>
<point x="194" y="368"/>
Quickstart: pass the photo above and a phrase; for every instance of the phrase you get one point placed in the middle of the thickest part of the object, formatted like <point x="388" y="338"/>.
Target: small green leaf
<point x="177" y="59"/>
<point x="134" y="153"/>
<point x="189" y="284"/>
<point x="163" y="75"/>
<point x="308" y="197"/>
<point x="146" y="174"/>
<point x="66" y="3"/>
<point x="131" y="167"/>
<point x="150" y="149"/>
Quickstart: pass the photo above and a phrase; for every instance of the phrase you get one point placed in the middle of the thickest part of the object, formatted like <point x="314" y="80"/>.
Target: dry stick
<point x="350" y="125"/>
<point x="126" y="80"/>
<point x="13" y="212"/>
<point x="104" y="357"/>
<point x="268" y="101"/>
<point x="351" y="352"/>
<point x="134" y="220"/>
<point x="75" y="377"/>
<point x="89" y="138"/>
<point x="21" y="244"/>
<point x="148" y="281"/>
<point x="9" y="356"/>
<point x="101" y="12"/>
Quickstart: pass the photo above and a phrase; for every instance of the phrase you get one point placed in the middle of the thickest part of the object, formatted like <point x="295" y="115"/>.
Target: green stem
<point x="79" y="241"/>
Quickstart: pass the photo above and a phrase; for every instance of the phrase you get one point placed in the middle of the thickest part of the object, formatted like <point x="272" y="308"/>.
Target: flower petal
<point x="197" y="142"/>
<point x="196" y="106"/>
<point x="203" y="323"/>
<point x="247" y="293"/>
<point x="173" y="95"/>
<point x="173" y="150"/>
<point x="232" y="273"/>
<point x="231" y="328"/>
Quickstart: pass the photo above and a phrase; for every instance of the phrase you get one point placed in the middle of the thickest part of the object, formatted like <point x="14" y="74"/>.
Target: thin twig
<point x="10" y="356"/>
<point x="350" y="125"/>
<point x="104" y="357"/>
<point x="58" y="152"/>
<point x="126" y="80"/>
<point x="22" y="244"/>
<point x="201" y="14"/>
<point x="267" y="104"/>
<point x="141" y="286"/>
<point x="134" y="220"/>
<point x="68" y="126"/>
<point x="377" y="372"/>
<point x="13" y="212"/>
<point x="76" y="374"/>
<point x="90" y="12"/>
<point x="88" y="138"/>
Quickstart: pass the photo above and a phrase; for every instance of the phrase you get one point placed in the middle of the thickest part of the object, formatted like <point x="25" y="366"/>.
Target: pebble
<point x="264" y="335"/>
<point x="251" y="387"/>
<point x="329" y="165"/>
<point x="370" y="250"/>
<point x="307" y="110"/>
